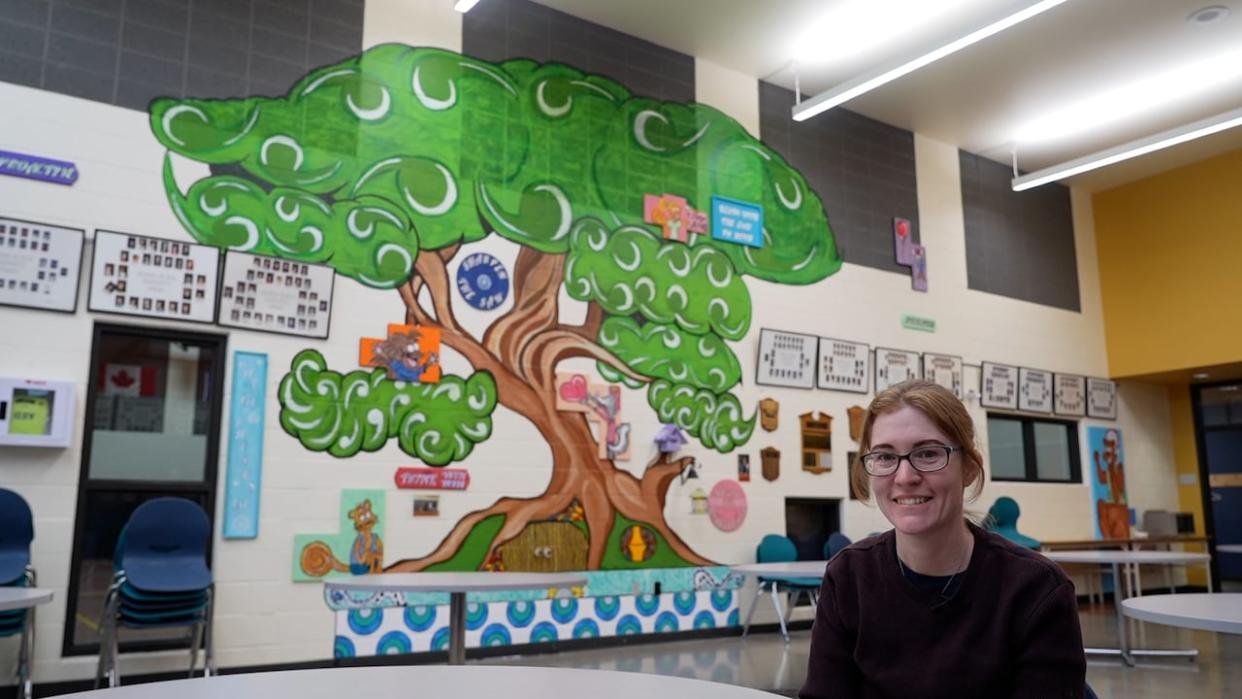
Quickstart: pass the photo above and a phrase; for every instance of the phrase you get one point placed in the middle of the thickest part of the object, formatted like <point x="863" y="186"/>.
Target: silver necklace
<point x="944" y="589"/>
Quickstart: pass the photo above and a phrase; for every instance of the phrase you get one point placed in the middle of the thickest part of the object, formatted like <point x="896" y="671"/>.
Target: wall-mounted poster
<point x="276" y="295"/>
<point x="1035" y="390"/>
<point x="944" y="369"/>
<point x="245" y="435"/>
<point x="1108" y="483"/>
<point x="1102" y="398"/>
<point x="998" y="386"/>
<point x="844" y="365"/>
<point x="786" y="359"/>
<point x="1069" y="395"/>
<point x="892" y="366"/>
<point x="153" y="277"/>
<point x="39" y="265"/>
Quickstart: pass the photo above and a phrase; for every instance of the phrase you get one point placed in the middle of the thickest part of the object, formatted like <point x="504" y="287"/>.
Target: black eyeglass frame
<point x="948" y="456"/>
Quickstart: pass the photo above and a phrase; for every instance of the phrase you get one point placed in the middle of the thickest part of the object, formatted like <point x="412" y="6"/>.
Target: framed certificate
<point x="944" y="369"/>
<point x="272" y="294"/>
<point x="1102" y="398"/>
<point x="153" y="277"/>
<point x="998" y="386"/>
<point x="844" y="365"/>
<point x="1034" y="390"/>
<point x="1069" y="395"/>
<point x="892" y="366"/>
<point x="786" y="359"/>
<point x="40" y="265"/>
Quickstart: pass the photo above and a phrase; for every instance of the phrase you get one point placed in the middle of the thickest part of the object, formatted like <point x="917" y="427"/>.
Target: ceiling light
<point x="867" y="82"/>
<point x="855" y="26"/>
<point x="1133" y="149"/>
<point x="1136" y="97"/>
<point x="1200" y="376"/>
<point x="463" y="6"/>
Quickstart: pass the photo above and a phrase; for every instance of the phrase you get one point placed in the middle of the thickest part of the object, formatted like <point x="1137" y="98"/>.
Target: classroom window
<point x="1033" y="449"/>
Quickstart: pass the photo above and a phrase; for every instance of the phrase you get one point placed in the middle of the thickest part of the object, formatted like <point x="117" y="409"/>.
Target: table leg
<point x="780" y="613"/>
<point x="457" y="628"/>
<point x="1123" y="637"/>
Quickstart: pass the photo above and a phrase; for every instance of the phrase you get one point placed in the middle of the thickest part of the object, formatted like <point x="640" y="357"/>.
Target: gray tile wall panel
<point x="1018" y="244"/>
<point x="498" y="30"/>
<point x="127" y="52"/>
<point x="862" y="169"/>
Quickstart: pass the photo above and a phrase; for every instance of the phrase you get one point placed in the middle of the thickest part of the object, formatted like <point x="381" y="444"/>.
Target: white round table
<point x="23" y="597"/>
<point x="432" y="682"/>
<point x="1116" y="559"/>
<point x="457" y="585"/>
<point x="769" y="575"/>
<point x="1220" y="612"/>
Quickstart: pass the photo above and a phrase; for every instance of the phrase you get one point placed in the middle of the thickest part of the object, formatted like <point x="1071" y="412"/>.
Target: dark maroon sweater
<point x="1011" y="630"/>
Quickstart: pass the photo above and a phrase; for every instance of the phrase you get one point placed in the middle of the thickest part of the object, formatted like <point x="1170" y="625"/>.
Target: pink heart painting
<point x="575" y="389"/>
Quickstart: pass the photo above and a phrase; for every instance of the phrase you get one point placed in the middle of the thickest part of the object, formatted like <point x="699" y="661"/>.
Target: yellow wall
<point x="1170" y="255"/>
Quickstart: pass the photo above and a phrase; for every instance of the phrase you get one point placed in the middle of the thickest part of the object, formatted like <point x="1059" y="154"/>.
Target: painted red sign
<point x="432" y="478"/>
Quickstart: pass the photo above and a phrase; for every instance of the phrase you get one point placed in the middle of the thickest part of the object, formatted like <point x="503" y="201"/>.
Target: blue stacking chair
<point x="836" y="541"/>
<point x="160" y="579"/>
<point x="16" y="533"/>
<point x="774" y="548"/>
<point x="1003" y="519"/>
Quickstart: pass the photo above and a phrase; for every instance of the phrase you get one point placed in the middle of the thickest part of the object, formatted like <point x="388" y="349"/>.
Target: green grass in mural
<point x="474" y="549"/>
<point x="614" y="559"/>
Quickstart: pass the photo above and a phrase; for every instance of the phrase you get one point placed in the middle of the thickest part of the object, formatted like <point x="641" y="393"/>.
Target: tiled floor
<point x="764" y="662"/>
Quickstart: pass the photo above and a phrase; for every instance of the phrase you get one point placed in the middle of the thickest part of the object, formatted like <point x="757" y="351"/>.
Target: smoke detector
<point x="1207" y="15"/>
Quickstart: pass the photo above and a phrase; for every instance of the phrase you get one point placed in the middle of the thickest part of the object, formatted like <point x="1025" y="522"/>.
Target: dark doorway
<point x="152" y="430"/>
<point x="1218" y="424"/>
<point x="808" y="522"/>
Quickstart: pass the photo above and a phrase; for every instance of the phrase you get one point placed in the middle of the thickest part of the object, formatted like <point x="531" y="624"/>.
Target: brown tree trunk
<point x="521" y="351"/>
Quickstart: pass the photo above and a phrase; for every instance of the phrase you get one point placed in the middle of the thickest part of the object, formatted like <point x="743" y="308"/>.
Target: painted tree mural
<point x="385" y="165"/>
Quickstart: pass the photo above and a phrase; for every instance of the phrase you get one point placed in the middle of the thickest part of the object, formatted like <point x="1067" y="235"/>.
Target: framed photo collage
<point x="138" y="275"/>
<point x="796" y="360"/>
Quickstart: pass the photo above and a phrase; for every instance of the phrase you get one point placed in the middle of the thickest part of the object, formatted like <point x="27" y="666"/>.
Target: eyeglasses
<point x="927" y="458"/>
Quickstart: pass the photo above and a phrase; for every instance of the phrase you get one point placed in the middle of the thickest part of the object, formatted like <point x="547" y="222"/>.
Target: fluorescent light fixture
<point x="464" y="6"/>
<point x="1139" y="96"/>
<point x="867" y="82"/>
<point x="855" y="26"/>
<point x="1133" y="149"/>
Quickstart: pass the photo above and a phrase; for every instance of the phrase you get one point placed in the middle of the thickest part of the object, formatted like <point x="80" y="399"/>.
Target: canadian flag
<point x="128" y="380"/>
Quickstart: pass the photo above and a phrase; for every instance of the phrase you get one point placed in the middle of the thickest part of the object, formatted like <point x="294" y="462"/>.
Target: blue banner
<point x="736" y="221"/>
<point x="32" y="167"/>
<point x="245" y="468"/>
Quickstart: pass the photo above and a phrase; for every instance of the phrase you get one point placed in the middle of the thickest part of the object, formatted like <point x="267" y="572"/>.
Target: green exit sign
<point x="927" y="325"/>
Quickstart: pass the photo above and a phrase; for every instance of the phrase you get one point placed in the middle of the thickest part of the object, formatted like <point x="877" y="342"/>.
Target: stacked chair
<point x="774" y="548"/>
<point x="160" y="579"/>
<point x="16" y="533"/>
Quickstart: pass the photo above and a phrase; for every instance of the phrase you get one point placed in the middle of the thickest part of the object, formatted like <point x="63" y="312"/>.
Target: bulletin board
<point x="39" y="265"/>
<point x="153" y="277"/>
<point x="271" y="294"/>
<point x="786" y="359"/>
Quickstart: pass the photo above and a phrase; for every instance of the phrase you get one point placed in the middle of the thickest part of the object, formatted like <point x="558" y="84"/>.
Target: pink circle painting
<point x="726" y="505"/>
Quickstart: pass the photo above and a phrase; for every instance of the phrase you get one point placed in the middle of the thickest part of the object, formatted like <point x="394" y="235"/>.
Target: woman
<point x="937" y="607"/>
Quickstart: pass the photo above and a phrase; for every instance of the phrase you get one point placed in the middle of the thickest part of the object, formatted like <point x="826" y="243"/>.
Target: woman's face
<point x="915" y="502"/>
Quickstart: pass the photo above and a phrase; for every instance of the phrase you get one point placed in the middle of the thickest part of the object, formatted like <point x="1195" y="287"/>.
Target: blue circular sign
<point x="483" y="281"/>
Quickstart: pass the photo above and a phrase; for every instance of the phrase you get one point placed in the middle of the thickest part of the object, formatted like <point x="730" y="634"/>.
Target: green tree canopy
<point x="367" y="163"/>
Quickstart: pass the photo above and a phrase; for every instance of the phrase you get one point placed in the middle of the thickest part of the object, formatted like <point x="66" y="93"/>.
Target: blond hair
<point x="944" y="409"/>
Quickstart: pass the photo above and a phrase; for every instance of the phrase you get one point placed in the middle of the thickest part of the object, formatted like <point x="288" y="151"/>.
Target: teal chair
<point x="1003" y="519"/>
<point x="775" y="548"/>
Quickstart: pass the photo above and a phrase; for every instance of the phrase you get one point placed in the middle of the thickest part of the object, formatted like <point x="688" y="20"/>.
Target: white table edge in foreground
<point x="23" y="597"/>
<point x="1198" y="617"/>
<point x="433" y="682"/>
